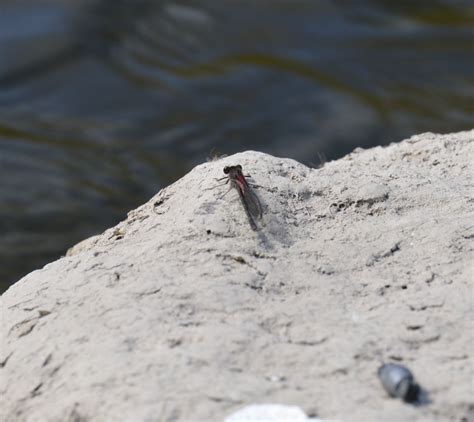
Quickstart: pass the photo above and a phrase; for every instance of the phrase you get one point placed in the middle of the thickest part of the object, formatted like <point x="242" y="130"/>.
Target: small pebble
<point x="398" y="381"/>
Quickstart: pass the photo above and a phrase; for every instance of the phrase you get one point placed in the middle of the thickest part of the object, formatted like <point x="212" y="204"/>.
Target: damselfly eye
<point x="239" y="166"/>
<point x="226" y="170"/>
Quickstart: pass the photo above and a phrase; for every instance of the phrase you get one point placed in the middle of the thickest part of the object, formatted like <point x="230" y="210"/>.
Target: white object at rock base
<point x="269" y="413"/>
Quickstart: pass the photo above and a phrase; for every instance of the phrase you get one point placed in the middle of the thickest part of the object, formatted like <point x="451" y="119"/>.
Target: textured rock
<point x="182" y="312"/>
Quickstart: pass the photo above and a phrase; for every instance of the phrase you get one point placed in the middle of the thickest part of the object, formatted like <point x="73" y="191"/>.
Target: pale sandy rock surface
<point x="181" y="312"/>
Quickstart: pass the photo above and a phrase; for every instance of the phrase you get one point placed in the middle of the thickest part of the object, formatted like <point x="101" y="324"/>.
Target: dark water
<point x="102" y="103"/>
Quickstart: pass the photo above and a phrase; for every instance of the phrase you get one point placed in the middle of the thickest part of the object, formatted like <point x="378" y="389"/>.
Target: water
<point x="102" y="103"/>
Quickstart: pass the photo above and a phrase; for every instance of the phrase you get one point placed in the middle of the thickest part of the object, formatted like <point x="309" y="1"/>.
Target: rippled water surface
<point x="102" y="103"/>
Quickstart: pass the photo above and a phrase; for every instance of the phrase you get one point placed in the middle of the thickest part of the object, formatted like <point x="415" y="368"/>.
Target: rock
<point x="182" y="312"/>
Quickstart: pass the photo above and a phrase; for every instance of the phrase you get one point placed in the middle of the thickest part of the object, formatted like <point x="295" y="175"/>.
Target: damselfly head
<point x="228" y="169"/>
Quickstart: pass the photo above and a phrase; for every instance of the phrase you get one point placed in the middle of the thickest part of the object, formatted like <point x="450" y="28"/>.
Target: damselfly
<point x="248" y="198"/>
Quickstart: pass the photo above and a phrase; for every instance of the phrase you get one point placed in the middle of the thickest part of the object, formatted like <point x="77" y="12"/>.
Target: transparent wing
<point x="252" y="203"/>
